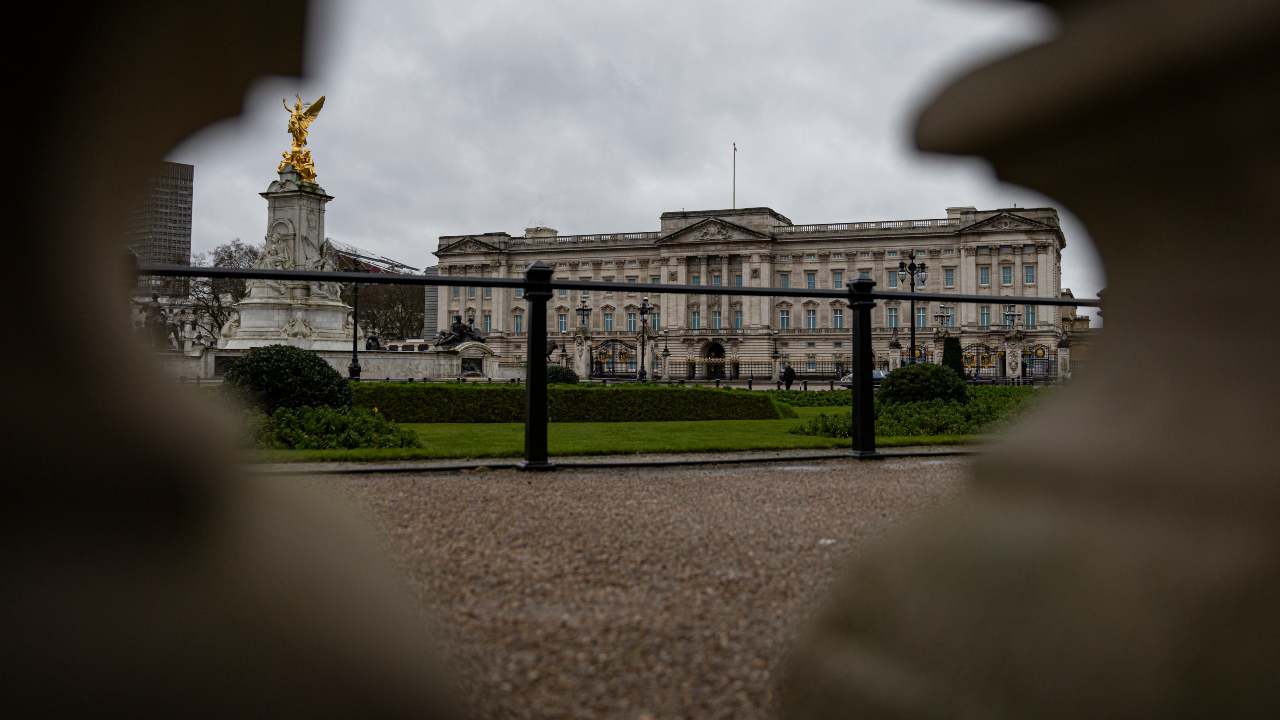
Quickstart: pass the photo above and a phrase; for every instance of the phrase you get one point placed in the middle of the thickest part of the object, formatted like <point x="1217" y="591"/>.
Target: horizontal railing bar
<point x="647" y="288"/>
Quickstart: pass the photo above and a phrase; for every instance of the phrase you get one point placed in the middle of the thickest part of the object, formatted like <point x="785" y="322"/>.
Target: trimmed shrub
<point x="922" y="382"/>
<point x="951" y="355"/>
<point x="323" y="428"/>
<point x="282" y="376"/>
<point x="559" y="374"/>
<point x="988" y="409"/>
<point x="820" y="398"/>
<point x="437" y="403"/>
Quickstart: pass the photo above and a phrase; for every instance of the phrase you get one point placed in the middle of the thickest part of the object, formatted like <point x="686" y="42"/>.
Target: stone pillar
<point x="704" y="319"/>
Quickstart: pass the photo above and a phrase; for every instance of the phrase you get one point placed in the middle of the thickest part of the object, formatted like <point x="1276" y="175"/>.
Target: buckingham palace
<point x="1003" y="254"/>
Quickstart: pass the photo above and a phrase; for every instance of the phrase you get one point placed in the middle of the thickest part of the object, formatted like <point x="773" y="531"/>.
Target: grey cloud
<point x="595" y="117"/>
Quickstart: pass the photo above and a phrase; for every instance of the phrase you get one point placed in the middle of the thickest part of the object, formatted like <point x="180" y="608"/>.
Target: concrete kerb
<point x="609" y="461"/>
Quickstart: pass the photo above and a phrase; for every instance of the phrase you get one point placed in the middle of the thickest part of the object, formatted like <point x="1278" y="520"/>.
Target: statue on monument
<point x="300" y="118"/>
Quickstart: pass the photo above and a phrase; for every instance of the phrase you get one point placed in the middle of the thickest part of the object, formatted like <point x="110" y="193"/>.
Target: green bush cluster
<point x="952" y="357"/>
<point x="820" y="398"/>
<point x="323" y="428"/>
<point x="987" y="409"/>
<point x="282" y="376"/>
<point x="921" y="382"/>
<point x="444" y="403"/>
<point x="559" y="374"/>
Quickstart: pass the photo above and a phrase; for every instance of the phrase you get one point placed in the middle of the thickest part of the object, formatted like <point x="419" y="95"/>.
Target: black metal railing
<point x="539" y="287"/>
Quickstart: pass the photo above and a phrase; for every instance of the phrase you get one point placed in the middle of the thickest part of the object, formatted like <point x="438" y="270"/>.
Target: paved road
<point x="634" y="593"/>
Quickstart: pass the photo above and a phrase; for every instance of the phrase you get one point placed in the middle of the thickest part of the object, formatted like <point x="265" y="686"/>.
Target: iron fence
<point x="539" y="287"/>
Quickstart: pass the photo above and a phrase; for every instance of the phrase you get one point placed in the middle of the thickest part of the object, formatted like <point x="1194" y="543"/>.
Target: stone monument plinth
<point x="309" y="315"/>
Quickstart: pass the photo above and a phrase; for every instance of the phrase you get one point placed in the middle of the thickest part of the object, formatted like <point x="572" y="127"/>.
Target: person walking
<point x="788" y="376"/>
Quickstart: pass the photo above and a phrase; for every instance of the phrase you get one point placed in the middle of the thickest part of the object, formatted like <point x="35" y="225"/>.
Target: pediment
<point x="1007" y="221"/>
<point x="712" y="230"/>
<point x="466" y="245"/>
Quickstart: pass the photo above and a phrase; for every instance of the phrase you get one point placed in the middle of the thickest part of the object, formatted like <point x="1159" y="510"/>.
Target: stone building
<point x="160" y="226"/>
<point x="1004" y="254"/>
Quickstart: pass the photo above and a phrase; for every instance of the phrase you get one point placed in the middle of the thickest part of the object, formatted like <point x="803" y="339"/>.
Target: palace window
<point x="715" y="280"/>
<point x="655" y="279"/>
<point x="737" y="319"/>
<point x="893" y="279"/>
<point x="562" y="321"/>
<point x="455" y="291"/>
<point x="891" y="253"/>
<point x="518" y="324"/>
<point x="632" y="279"/>
<point x="811" y="257"/>
<point x="784" y="280"/>
<point x="891" y="317"/>
<point x="631" y="322"/>
<point x="949" y="277"/>
<point x="984" y="275"/>
<point x="864" y="274"/>
<point x="471" y="292"/>
<point x="657" y="318"/>
<point x="695" y="319"/>
<point x="984" y="316"/>
<point x="811" y="363"/>
<point x="608" y="322"/>
<point x="488" y="323"/>
<point x="784" y="319"/>
<point x="488" y="292"/>
<point x="837" y="279"/>
<point x="837" y="319"/>
<point x="811" y="280"/>
<point x="563" y="292"/>
<point x="1029" y="274"/>
<point x="519" y="293"/>
<point x="586" y="294"/>
<point x="1029" y="316"/>
<point x="811" y="319"/>
<point x="922" y="316"/>
<point x="695" y="279"/>
<point x="1006" y="274"/>
<point x="737" y="280"/>
<point x="715" y="319"/>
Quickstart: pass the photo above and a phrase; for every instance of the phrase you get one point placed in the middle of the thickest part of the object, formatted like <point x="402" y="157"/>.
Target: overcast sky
<point x="450" y="117"/>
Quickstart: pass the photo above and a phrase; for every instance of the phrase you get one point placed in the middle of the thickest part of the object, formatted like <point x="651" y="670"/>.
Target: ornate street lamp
<point x="666" y="353"/>
<point x="645" y="309"/>
<point x="917" y="274"/>
<point x="944" y="318"/>
<point x="584" y="315"/>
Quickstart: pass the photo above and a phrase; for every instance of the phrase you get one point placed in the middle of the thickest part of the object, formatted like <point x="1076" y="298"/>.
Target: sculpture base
<point x="313" y="325"/>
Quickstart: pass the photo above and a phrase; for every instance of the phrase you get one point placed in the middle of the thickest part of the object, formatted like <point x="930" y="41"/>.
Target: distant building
<point x="431" y="299"/>
<point x="160" y="226"/>
<point x="1006" y="255"/>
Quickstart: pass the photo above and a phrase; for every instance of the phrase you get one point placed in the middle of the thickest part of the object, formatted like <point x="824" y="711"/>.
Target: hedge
<point x="443" y="403"/>
<point x="817" y="398"/>
<point x="988" y="409"/>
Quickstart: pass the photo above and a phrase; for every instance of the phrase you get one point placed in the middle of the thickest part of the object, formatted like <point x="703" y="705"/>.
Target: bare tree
<point x="388" y="312"/>
<point x="213" y="300"/>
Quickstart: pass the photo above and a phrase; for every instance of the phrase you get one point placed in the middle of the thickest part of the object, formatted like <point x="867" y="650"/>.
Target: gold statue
<point x="300" y="119"/>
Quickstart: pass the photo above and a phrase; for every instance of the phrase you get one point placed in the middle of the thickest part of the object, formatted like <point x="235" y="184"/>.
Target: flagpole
<point x="735" y="176"/>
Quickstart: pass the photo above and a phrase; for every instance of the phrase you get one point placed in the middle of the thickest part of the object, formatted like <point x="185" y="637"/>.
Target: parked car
<point x="876" y="377"/>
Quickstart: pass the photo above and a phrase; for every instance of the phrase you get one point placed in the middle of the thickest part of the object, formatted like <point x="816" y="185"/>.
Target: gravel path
<point x="634" y="593"/>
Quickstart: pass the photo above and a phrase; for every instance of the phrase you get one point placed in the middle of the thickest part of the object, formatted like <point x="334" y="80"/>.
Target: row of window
<point x="810" y="280"/>
<point x="1009" y="316"/>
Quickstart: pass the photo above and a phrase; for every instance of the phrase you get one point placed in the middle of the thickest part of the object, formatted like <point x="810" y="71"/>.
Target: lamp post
<point x="645" y="309"/>
<point x="666" y="353"/>
<point x="914" y="273"/>
<point x="584" y="316"/>
<point x="943" y="318"/>
<point x="353" y="370"/>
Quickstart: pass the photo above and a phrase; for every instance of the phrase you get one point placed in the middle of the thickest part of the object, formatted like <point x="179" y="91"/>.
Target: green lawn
<point x="506" y="440"/>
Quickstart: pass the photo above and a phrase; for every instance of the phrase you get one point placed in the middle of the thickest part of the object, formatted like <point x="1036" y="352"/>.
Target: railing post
<point x="864" y="412"/>
<point x="537" y="292"/>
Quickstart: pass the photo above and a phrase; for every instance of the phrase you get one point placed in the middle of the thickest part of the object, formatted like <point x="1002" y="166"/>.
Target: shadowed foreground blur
<point x="142" y="576"/>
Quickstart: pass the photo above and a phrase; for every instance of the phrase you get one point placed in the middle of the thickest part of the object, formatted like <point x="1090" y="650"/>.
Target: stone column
<point x="704" y="265"/>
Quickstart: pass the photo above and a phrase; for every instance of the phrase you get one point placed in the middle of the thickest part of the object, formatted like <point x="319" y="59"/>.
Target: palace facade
<point x="1005" y="254"/>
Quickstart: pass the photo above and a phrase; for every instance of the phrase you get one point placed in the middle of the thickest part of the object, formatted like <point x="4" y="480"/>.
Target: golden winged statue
<point x="301" y="115"/>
